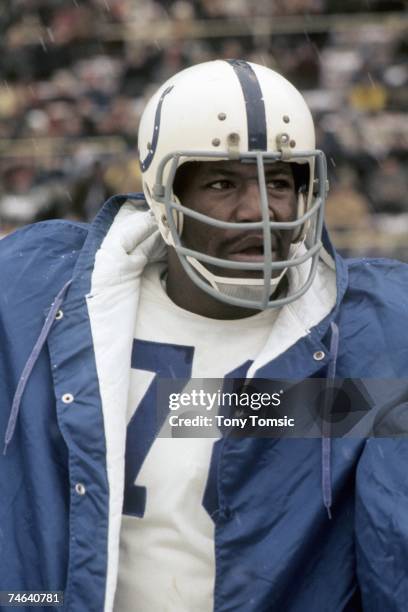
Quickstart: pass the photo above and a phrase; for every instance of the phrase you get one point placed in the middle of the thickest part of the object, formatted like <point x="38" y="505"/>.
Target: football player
<point x="220" y="271"/>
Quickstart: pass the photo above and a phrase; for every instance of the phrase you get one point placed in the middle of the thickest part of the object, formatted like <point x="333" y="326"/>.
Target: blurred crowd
<point x="77" y="73"/>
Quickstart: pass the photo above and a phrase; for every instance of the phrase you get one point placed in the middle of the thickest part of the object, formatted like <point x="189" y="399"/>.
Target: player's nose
<point x="249" y="208"/>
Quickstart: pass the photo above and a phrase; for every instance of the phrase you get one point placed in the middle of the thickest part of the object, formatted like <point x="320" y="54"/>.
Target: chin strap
<point x="215" y="281"/>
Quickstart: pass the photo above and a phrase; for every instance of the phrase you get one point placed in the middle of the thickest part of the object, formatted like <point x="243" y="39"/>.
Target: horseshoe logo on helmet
<point x="144" y="165"/>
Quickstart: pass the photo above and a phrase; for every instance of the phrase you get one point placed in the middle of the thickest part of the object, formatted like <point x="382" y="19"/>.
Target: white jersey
<point x="167" y="537"/>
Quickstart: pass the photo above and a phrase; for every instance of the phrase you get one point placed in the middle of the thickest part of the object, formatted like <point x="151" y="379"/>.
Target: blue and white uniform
<point x="73" y="294"/>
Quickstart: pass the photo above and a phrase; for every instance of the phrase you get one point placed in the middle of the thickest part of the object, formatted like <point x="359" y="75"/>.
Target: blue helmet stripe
<point x="254" y="103"/>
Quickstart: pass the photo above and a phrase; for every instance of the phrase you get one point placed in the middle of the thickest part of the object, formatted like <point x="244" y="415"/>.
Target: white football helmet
<point x="233" y="110"/>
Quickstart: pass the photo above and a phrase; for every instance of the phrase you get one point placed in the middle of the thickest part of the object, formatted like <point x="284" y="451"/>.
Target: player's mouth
<point x="251" y="249"/>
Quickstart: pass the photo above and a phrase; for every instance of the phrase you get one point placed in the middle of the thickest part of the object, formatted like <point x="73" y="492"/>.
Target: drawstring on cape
<point x="326" y="438"/>
<point x="28" y="368"/>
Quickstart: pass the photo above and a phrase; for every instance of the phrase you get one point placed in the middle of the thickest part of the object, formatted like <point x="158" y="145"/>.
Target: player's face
<point x="229" y="191"/>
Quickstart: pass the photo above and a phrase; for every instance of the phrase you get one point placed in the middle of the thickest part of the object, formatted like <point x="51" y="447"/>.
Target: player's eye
<point x="220" y="185"/>
<point x="279" y="183"/>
